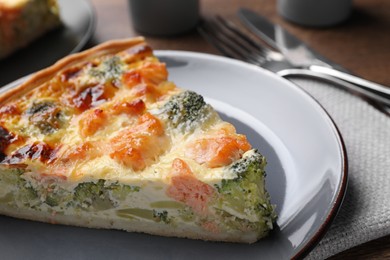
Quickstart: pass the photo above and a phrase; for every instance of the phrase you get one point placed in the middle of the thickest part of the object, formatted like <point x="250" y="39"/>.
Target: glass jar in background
<point x="317" y="13"/>
<point x="164" y="17"/>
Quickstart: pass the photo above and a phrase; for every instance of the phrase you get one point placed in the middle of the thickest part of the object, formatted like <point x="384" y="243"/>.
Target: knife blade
<point x="301" y="56"/>
<point x="295" y="51"/>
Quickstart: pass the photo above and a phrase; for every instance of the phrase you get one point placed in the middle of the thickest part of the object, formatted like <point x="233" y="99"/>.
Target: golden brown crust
<point x="44" y="75"/>
<point x="103" y="139"/>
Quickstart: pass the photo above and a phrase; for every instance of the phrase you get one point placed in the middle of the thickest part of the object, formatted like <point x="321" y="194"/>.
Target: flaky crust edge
<point x="48" y="73"/>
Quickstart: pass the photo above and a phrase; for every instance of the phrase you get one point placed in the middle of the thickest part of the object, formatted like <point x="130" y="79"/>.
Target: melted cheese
<point x="108" y="141"/>
<point x="102" y="119"/>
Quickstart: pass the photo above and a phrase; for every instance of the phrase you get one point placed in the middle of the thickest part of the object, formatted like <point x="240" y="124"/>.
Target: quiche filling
<point x="105" y="140"/>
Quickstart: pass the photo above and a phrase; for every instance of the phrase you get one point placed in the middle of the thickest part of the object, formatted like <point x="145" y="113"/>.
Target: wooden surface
<point x="361" y="44"/>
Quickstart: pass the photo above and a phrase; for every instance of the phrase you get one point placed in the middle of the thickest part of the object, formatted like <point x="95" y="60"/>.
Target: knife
<point x="299" y="54"/>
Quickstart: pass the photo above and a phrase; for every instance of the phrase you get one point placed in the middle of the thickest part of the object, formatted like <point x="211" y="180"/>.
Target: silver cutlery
<point x="276" y="36"/>
<point x="296" y="60"/>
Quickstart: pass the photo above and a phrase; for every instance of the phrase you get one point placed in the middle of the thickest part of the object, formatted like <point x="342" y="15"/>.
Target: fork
<point x="233" y="42"/>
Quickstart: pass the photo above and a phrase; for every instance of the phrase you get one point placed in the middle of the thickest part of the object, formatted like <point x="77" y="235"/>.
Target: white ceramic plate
<point x="78" y="20"/>
<point x="307" y="172"/>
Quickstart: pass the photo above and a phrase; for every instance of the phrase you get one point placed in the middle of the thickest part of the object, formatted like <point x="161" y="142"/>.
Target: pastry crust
<point x="102" y="139"/>
<point x="46" y="74"/>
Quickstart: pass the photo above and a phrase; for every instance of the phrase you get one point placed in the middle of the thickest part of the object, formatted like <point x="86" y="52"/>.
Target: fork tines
<point x="230" y="40"/>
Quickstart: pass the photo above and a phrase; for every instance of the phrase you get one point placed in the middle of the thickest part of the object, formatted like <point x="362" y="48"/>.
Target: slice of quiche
<point x="22" y="21"/>
<point x="102" y="139"/>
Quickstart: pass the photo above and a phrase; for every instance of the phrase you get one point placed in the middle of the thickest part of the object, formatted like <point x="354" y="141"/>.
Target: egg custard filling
<point x="102" y="139"/>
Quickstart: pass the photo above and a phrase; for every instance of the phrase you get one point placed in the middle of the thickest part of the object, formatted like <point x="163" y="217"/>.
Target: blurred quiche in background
<point x="23" y="21"/>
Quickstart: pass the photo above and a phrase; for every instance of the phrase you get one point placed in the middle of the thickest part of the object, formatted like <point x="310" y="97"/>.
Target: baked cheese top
<point x="114" y="116"/>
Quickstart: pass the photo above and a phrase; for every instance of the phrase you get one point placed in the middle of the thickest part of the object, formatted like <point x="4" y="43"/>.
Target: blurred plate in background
<point x="78" y="20"/>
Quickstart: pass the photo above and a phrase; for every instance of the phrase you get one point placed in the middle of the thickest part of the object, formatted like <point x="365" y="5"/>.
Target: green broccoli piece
<point x="244" y="196"/>
<point x="27" y="195"/>
<point x="187" y="214"/>
<point x="52" y="201"/>
<point x="186" y="110"/>
<point x="119" y="192"/>
<point x="55" y="195"/>
<point x="109" y="70"/>
<point x="161" y="216"/>
<point x="32" y="196"/>
<point x="92" y="195"/>
<point x="11" y="175"/>
<point x="47" y="116"/>
<point x="101" y="196"/>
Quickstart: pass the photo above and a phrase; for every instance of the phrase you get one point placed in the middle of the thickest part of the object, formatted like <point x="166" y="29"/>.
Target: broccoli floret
<point x="244" y="196"/>
<point x="52" y="201"/>
<point x="187" y="214"/>
<point x="92" y="195"/>
<point x="161" y="216"/>
<point x="47" y="116"/>
<point x="119" y="192"/>
<point x="109" y="70"/>
<point x="99" y="196"/>
<point x="55" y="195"/>
<point x="27" y="195"/>
<point x="11" y="175"/>
<point x="186" y="110"/>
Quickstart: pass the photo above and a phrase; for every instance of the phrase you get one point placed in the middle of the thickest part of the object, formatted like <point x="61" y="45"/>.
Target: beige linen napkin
<point x="365" y="212"/>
